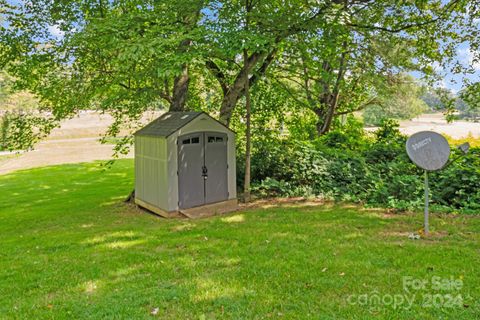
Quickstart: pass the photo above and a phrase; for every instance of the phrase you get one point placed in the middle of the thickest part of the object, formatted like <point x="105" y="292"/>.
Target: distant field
<point x="70" y="249"/>
<point x="77" y="140"/>
<point x="7" y="157"/>
<point x="436" y="122"/>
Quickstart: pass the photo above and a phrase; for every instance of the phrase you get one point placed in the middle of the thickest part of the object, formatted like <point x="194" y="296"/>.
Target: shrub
<point x="457" y="186"/>
<point x="374" y="171"/>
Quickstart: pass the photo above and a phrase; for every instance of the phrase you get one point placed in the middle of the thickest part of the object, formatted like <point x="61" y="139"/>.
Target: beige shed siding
<point x="151" y="170"/>
<point x="202" y="123"/>
<point x="138" y="167"/>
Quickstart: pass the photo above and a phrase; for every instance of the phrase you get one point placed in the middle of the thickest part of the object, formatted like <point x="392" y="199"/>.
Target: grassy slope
<point x="70" y="249"/>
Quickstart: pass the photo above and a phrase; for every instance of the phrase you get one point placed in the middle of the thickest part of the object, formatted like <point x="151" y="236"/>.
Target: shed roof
<point x="168" y="123"/>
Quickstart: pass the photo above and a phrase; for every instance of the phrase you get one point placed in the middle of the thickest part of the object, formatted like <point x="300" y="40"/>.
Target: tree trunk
<point x="232" y="95"/>
<point x="234" y="92"/>
<point x="180" y="90"/>
<point x="247" y="66"/>
<point x="228" y="105"/>
<point x="325" y="114"/>
<point x="246" y="187"/>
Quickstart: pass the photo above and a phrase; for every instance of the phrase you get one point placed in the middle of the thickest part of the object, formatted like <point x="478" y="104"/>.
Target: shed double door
<point x="202" y="169"/>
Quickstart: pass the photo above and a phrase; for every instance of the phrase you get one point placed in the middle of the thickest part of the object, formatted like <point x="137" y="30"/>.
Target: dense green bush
<point x="458" y="186"/>
<point x="374" y="170"/>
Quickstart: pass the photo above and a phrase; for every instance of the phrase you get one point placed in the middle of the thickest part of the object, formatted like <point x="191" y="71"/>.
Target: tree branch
<point x="293" y="95"/>
<point x="263" y="68"/>
<point x="165" y="87"/>
<point x="218" y="74"/>
<point x="306" y="81"/>
<point x="372" y="101"/>
<point x="398" y="29"/>
<point x="341" y="70"/>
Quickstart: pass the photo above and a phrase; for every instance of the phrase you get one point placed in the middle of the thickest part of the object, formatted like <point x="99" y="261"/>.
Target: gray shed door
<point x="190" y="162"/>
<point x="202" y="169"/>
<point x="216" y="187"/>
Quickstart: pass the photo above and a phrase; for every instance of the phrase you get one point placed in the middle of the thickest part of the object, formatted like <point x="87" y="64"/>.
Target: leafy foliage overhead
<point x="123" y="57"/>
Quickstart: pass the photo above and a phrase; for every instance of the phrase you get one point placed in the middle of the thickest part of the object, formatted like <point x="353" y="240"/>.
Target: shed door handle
<point x="204" y="171"/>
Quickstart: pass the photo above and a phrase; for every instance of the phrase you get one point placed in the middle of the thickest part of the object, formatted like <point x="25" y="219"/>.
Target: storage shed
<point x="185" y="164"/>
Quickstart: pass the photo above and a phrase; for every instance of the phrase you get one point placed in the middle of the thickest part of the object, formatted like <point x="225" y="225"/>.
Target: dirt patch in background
<point x="436" y="122"/>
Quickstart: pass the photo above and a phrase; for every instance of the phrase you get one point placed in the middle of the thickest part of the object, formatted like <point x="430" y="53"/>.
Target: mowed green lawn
<point x="70" y="249"/>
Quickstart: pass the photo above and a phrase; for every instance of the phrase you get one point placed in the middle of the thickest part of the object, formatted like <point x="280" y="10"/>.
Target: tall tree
<point x="271" y="24"/>
<point x="248" y="111"/>
<point x="118" y="57"/>
<point x="338" y="69"/>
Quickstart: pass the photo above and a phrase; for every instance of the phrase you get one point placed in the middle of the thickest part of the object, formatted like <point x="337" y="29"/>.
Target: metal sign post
<point x="429" y="151"/>
<point x="427" y="191"/>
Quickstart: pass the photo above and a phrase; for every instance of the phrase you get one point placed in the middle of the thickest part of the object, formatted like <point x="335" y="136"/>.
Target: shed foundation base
<point x="204" y="211"/>
<point x="156" y="210"/>
<point x="211" y="209"/>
